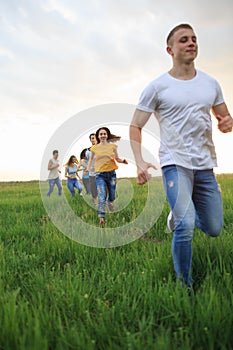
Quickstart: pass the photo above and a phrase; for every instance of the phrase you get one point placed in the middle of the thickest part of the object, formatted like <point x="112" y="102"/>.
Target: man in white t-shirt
<point x="92" y="177"/>
<point x="181" y="100"/>
<point x="54" y="174"/>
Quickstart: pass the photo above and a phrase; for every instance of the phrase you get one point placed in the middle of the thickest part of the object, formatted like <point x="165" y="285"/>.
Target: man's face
<point x="93" y="139"/>
<point x="55" y="156"/>
<point x="183" y="46"/>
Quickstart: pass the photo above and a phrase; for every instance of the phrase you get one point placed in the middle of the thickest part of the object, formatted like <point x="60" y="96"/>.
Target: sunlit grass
<point x="58" y="294"/>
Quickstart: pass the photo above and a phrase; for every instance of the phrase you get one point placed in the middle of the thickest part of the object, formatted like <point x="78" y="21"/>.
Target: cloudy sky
<point x="60" y="57"/>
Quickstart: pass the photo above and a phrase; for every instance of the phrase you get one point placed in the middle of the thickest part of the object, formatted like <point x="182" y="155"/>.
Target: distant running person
<point x="85" y="173"/>
<point x="71" y="173"/>
<point x="181" y="100"/>
<point x="106" y="156"/>
<point x="92" y="177"/>
<point x="54" y="174"/>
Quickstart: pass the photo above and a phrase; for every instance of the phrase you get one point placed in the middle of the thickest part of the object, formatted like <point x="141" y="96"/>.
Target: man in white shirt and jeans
<point x="92" y="177"/>
<point x="54" y="174"/>
<point x="181" y="100"/>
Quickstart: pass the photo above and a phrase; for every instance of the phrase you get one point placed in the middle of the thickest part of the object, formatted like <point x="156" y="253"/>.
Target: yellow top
<point x="105" y="154"/>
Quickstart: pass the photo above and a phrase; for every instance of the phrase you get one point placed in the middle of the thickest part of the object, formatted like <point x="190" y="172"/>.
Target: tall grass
<point x="58" y="294"/>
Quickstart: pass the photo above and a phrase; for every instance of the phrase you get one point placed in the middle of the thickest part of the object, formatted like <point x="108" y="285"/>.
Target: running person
<point x="181" y="100"/>
<point x="85" y="173"/>
<point x="54" y="174"/>
<point x="71" y="173"/>
<point x="106" y="156"/>
<point x="92" y="178"/>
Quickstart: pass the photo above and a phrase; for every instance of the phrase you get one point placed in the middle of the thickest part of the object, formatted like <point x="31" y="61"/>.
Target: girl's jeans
<point x="195" y="200"/>
<point x="106" y="188"/>
<point x="71" y="184"/>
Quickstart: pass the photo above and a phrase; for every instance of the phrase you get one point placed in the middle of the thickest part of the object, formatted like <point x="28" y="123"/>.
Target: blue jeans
<point x="52" y="183"/>
<point x="72" y="184"/>
<point x="106" y="188"/>
<point x="195" y="200"/>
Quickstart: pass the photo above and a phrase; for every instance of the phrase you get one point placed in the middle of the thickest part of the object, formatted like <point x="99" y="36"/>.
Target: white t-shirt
<point x="182" y="108"/>
<point x="88" y="156"/>
<point x="54" y="173"/>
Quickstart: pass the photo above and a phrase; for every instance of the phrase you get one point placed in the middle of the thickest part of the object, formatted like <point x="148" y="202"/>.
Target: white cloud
<point x="55" y="5"/>
<point x="6" y="53"/>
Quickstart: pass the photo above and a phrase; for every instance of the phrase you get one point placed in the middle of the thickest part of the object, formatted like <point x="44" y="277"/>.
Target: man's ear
<point x="169" y="50"/>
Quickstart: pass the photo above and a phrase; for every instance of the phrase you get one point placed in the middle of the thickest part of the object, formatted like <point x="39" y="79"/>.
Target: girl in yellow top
<point x="106" y="156"/>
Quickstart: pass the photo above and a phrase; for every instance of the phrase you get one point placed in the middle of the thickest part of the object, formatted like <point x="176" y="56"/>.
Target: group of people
<point x="98" y="165"/>
<point x="181" y="100"/>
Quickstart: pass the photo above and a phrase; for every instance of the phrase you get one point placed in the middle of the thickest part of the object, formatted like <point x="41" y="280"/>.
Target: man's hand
<point x="225" y="124"/>
<point x="143" y="175"/>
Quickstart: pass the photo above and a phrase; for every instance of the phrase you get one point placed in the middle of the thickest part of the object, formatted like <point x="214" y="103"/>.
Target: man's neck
<point x="183" y="72"/>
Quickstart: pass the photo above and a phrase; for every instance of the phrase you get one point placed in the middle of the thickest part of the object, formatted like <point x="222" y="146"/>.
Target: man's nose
<point x="191" y="42"/>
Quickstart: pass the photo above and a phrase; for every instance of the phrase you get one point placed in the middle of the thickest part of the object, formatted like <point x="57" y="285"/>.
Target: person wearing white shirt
<point x="181" y="100"/>
<point x="54" y="174"/>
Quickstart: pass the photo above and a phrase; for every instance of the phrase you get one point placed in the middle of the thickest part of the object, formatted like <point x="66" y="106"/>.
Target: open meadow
<point x="58" y="294"/>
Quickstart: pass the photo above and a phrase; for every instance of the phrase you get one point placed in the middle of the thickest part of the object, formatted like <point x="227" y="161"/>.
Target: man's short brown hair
<point x="175" y="29"/>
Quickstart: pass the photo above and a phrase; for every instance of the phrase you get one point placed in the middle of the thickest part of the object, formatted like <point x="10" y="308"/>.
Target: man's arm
<point x="225" y="121"/>
<point x="90" y="161"/>
<point x="140" y="118"/>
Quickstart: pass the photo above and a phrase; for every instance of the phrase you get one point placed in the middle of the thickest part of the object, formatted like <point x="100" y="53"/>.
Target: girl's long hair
<point x="110" y="137"/>
<point x="70" y="161"/>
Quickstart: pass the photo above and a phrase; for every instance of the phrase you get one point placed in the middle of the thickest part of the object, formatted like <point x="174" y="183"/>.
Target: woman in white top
<point x="71" y="173"/>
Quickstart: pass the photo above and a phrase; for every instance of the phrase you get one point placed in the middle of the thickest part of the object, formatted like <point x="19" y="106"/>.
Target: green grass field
<point x="58" y="294"/>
